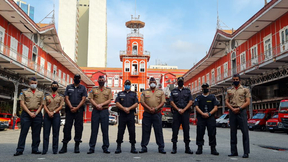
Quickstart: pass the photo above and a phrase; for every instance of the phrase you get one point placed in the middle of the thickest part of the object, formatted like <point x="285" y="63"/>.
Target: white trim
<point x="13" y="48"/>
<point x="208" y="78"/>
<point x="283" y="45"/>
<point x="243" y="61"/>
<point x="25" y="53"/>
<point x="268" y="52"/>
<point x="218" y="73"/>
<point x="127" y="61"/>
<point x="3" y="39"/>
<point x="225" y="67"/>
<point x="142" y="62"/>
<point x="254" y="59"/>
<point x="213" y="76"/>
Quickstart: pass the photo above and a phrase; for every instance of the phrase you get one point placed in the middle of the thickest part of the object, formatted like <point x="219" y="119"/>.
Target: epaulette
<point x="108" y="87"/>
<point x="229" y="88"/>
<point x="61" y="95"/>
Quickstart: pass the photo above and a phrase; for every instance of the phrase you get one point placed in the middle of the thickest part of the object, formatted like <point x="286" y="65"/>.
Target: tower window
<point x="142" y="66"/>
<point x="127" y="66"/>
<point x="135" y="49"/>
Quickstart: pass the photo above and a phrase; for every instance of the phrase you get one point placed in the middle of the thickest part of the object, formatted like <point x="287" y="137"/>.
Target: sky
<point x="176" y="32"/>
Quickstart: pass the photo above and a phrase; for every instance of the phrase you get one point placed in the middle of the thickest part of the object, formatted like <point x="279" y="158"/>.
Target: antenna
<point x="219" y="26"/>
<point x="135" y="8"/>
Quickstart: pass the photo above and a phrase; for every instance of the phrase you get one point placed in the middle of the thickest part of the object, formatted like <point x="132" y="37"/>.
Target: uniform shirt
<point x="101" y="96"/>
<point x="237" y="97"/>
<point x="75" y="94"/>
<point x="127" y="99"/>
<point x="152" y="99"/>
<point x="32" y="100"/>
<point x="52" y="103"/>
<point x="205" y="103"/>
<point x="181" y="97"/>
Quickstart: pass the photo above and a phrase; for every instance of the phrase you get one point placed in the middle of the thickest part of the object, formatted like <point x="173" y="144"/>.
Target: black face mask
<point x="76" y="81"/>
<point x="101" y="84"/>
<point x="205" y="91"/>
<point x="236" y="83"/>
<point x="54" y="89"/>
<point x="180" y="84"/>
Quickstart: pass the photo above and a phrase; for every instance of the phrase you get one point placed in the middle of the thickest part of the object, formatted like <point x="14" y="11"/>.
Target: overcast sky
<point x="178" y="32"/>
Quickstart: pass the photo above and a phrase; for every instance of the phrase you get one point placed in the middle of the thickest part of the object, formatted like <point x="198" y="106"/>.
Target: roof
<point x="51" y="44"/>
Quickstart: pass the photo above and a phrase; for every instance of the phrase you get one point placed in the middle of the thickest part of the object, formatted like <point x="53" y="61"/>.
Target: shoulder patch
<point x="21" y="93"/>
<point x="91" y="91"/>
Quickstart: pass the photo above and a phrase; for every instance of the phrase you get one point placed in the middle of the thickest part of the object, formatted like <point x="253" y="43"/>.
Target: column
<point x="15" y="97"/>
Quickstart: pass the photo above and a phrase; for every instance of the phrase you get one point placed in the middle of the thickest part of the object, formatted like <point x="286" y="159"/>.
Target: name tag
<point x="209" y="101"/>
<point x="122" y="95"/>
<point x="175" y="93"/>
<point x="70" y="89"/>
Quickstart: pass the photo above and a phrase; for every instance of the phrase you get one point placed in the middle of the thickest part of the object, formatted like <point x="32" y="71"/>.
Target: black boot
<point x="214" y="151"/>
<point x="118" y="149"/>
<point x="63" y="149"/>
<point x="199" y="150"/>
<point x="174" y="148"/>
<point x="133" y="149"/>
<point x="76" y="148"/>
<point x="187" y="149"/>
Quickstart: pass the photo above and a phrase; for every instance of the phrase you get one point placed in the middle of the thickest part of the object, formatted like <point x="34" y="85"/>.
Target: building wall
<point x="67" y="27"/>
<point x="274" y="29"/>
<point x="97" y="38"/>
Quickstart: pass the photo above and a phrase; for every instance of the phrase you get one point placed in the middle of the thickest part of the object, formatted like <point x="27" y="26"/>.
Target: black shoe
<point x="245" y="156"/>
<point x="174" y="148"/>
<point x="143" y="150"/>
<point x="43" y="153"/>
<point x="214" y="151"/>
<point x="55" y="152"/>
<point x="199" y="150"/>
<point x="235" y="154"/>
<point x="63" y="149"/>
<point x="18" y="153"/>
<point x="36" y="152"/>
<point x="162" y="151"/>
<point x="90" y="151"/>
<point x="76" y="148"/>
<point x="106" y="151"/>
<point x="133" y="149"/>
<point x="188" y="151"/>
<point x="118" y="149"/>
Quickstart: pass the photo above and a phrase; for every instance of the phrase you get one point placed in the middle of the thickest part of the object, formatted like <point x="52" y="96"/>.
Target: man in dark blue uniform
<point x="31" y="101"/>
<point x="126" y="101"/>
<point x="181" y="100"/>
<point x="75" y="96"/>
<point x="206" y="106"/>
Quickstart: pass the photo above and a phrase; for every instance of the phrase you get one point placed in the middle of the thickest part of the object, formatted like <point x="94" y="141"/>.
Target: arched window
<point x="34" y="54"/>
<point x="142" y="66"/>
<point x="127" y="66"/>
<point x="134" y="67"/>
<point x="135" y="48"/>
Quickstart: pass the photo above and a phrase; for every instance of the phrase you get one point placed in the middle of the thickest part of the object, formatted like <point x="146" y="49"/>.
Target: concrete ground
<point x="9" y="139"/>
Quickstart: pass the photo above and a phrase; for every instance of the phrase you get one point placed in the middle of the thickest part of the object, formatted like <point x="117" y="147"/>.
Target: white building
<point x="88" y="20"/>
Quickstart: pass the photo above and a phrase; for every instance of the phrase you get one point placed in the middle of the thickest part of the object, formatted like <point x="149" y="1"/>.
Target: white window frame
<point x="243" y="61"/>
<point x="127" y="66"/>
<point x="199" y="83"/>
<point x="42" y="65"/>
<point x="71" y="80"/>
<point x="59" y="76"/>
<point x="2" y="38"/>
<point x="64" y="78"/>
<point x="13" y="48"/>
<point x="196" y="85"/>
<point x="283" y="39"/>
<point x="134" y="72"/>
<point x="68" y="78"/>
<point x="218" y="73"/>
<point x="116" y="81"/>
<point x="142" y="66"/>
<point x="141" y="87"/>
<point x="54" y="72"/>
<point x="133" y="87"/>
<point x="268" y="52"/>
<point x="254" y="55"/>
<point x="225" y="67"/>
<point x="25" y="53"/>
<point x="49" y="68"/>
<point x="203" y="79"/>
<point x="213" y="76"/>
<point x="109" y="81"/>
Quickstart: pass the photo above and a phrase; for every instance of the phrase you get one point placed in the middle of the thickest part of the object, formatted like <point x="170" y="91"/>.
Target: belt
<point x="33" y="110"/>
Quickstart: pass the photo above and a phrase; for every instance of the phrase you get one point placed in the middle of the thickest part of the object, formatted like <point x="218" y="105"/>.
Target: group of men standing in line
<point x="32" y="101"/>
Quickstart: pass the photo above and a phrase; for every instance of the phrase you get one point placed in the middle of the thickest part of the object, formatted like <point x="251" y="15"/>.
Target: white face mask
<point x="152" y="85"/>
<point x="33" y="86"/>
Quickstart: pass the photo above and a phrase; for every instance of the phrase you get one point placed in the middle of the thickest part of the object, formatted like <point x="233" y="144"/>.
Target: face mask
<point x="180" y="84"/>
<point x="33" y="86"/>
<point x="127" y="87"/>
<point x="101" y="84"/>
<point x="152" y="85"/>
<point x="236" y="83"/>
<point x="76" y="81"/>
<point x="205" y="91"/>
<point x="54" y="89"/>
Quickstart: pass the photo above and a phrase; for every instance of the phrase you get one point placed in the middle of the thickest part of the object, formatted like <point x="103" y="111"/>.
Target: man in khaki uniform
<point x="100" y="98"/>
<point x="53" y="103"/>
<point x="237" y="100"/>
<point x="31" y="101"/>
<point x="152" y="100"/>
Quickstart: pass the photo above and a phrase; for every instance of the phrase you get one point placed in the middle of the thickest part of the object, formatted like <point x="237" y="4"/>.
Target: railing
<point x="7" y="51"/>
<point x="134" y="73"/>
<point x="135" y="35"/>
<point x="121" y="53"/>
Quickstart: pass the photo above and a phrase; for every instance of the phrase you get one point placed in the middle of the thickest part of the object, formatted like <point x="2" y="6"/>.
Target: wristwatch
<point x="209" y="114"/>
<point x="240" y="108"/>
<point x="54" y="112"/>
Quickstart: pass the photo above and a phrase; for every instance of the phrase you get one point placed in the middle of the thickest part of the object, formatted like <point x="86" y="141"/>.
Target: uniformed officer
<point x="53" y="103"/>
<point x="75" y="95"/>
<point x="181" y="101"/>
<point x="237" y="100"/>
<point x="31" y="101"/>
<point x="100" y="98"/>
<point x="126" y="101"/>
<point x="152" y="100"/>
<point x="206" y="106"/>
